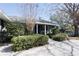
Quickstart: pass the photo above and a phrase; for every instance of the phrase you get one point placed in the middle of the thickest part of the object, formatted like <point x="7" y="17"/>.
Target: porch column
<point x="0" y="26"/>
<point x="45" y="29"/>
<point x="36" y="28"/>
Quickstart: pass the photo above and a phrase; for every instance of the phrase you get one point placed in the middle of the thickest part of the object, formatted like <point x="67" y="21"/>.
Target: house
<point x="41" y="26"/>
<point x="3" y="19"/>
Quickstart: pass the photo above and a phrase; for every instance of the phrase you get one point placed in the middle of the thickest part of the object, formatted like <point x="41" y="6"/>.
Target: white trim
<point x="45" y="29"/>
<point x="44" y="23"/>
<point x="0" y="27"/>
<point x="37" y="28"/>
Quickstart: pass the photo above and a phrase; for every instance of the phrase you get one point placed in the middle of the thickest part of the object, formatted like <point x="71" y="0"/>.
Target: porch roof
<point x="46" y="23"/>
<point x="3" y="16"/>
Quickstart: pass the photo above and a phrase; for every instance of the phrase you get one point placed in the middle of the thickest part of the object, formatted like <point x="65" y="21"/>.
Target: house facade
<point x="41" y="27"/>
<point x="3" y="19"/>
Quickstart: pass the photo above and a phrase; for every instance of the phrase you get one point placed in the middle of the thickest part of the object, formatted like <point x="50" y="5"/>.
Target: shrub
<point x="29" y="41"/>
<point x="41" y="40"/>
<point x="50" y="35"/>
<point x="8" y="38"/>
<point x="55" y="30"/>
<point x="3" y="36"/>
<point x="28" y="32"/>
<point x="60" y="37"/>
<point x="15" y="28"/>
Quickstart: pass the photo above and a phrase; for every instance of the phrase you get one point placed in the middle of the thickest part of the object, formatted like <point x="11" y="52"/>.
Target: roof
<point x="3" y="16"/>
<point x="22" y="20"/>
<point x="17" y="18"/>
<point x="46" y="22"/>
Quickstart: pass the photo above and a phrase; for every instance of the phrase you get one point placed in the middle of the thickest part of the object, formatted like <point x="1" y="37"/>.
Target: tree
<point x="73" y="10"/>
<point x="62" y="19"/>
<point x="30" y="23"/>
<point x="29" y="13"/>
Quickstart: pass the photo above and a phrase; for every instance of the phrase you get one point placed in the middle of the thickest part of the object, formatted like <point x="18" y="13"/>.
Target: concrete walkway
<point x="54" y="48"/>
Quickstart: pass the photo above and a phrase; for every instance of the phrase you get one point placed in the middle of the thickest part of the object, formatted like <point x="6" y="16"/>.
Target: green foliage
<point x="50" y="35"/>
<point x="29" y="41"/>
<point x="3" y="36"/>
<point x="64" y="21"/>
<point x="60" y="37"/>
<point x="41" y="40"/>
<point x="15" y="28"/>
<point x="28" y="32"/>
<point x="55" y="30"/>
<point x="61" y="18"/>
<point x="8" y="39"/>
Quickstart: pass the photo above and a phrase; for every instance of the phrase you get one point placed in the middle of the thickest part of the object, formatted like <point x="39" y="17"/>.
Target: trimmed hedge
<point x="60" y="37"/>
<point x="26" y="42"/>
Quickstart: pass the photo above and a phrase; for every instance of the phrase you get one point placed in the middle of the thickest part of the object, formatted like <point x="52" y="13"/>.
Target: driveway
<point x="54" y="48"/>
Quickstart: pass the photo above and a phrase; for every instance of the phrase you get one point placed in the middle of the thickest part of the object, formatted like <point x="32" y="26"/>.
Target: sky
<point x="14" y="9"/>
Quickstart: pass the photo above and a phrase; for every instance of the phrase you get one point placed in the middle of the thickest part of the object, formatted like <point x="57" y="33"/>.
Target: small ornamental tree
<point x="29" y="12"/>
<point x="30" y="23"/>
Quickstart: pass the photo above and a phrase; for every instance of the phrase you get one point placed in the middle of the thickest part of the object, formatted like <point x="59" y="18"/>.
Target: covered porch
<point x="43" y="28"/>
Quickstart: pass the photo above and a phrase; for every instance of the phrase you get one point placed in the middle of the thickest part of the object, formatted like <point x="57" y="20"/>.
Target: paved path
<point x="54" y="48"/>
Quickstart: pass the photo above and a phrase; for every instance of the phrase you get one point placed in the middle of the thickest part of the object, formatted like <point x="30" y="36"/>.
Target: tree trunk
<point x="76" y="30"/>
